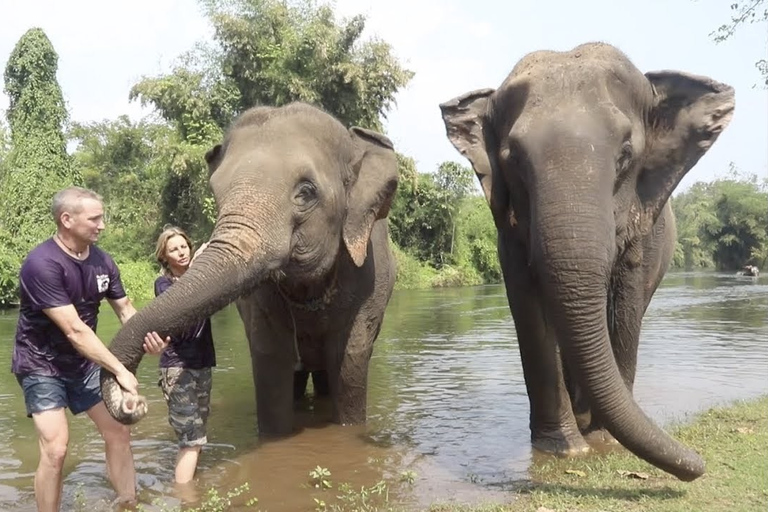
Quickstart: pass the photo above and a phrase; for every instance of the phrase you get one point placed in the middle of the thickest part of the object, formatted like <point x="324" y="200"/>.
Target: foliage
<point x="373" y="498"/>
<point x="5" y="143"/>
<point x="138" y="278"/>
<point x="34" y="163"/>
<point x="440" y="220"/>
<point x="411" y="273"/>
<point x="749" y="11"/>
<point x="196" y="105"/>
<point x="723" y="223"/>
<point x="37" y="164"/>
<point x="10" y="263"/>
<point x="124" y="162"/>
<point x="276" y="52"/>
<point x="213" y="502"/>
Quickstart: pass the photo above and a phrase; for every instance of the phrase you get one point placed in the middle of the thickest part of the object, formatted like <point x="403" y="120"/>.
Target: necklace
<point x="77" y="254"/>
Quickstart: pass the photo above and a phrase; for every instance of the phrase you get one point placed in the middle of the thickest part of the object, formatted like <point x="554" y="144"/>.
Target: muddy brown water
<point x="446" y="401"/>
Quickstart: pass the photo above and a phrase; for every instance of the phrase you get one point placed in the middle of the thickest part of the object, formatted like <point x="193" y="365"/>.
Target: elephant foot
<point x="599" y="437"/>
<point x="560" y="443"/>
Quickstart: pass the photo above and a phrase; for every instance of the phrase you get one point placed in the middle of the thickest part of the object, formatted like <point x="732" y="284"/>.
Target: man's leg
<point x="53" y="437"/>
<point x="85" y="395"/>
<point x="117" y="442"/>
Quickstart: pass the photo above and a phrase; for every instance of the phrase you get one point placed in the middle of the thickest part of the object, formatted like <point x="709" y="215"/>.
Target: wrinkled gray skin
<point x="301" y="242"/>
<point x="577" y="154"/>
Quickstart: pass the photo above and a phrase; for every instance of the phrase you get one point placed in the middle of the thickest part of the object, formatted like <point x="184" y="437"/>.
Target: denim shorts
<point x="43" y="393"/>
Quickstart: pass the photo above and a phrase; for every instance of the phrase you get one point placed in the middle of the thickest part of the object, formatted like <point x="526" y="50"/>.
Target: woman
<point x="185" y="366"/>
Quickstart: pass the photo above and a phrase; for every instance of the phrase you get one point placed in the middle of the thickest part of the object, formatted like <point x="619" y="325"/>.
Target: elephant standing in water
<point x="301" y="244"/>
<point x="578" y="153"/>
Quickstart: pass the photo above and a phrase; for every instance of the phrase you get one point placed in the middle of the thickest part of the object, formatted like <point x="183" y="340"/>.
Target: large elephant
<point x="301" y="243"/>
<point x="577" y="153"/>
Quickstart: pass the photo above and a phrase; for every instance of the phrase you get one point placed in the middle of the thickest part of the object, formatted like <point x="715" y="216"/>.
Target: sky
<point x="453" y="46"/>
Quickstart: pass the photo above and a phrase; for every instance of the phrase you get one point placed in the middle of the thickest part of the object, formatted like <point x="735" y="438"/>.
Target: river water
<point x="446" y="402"/>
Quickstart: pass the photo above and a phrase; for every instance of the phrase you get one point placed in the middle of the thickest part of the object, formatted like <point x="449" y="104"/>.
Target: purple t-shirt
<point x="193" y="348"/>
<point x="50" y="278"/>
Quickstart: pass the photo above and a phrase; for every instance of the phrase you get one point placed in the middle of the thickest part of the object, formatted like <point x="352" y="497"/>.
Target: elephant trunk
<point x="236" y="260"/>
<point x="573" y="245"/>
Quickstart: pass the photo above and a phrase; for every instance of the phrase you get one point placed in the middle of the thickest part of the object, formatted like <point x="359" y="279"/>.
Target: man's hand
<point x="154" y="344"/>
<point x="128" y="381"/>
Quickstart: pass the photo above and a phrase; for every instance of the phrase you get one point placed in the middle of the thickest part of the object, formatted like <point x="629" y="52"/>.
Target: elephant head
<point x="577" y="154"/>
<point x="295" y="191"/>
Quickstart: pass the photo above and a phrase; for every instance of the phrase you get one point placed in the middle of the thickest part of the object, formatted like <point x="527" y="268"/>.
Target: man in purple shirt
<point x="57" y="355"/>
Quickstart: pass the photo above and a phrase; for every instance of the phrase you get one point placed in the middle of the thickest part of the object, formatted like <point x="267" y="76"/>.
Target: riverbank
<point x="733" y="440"/>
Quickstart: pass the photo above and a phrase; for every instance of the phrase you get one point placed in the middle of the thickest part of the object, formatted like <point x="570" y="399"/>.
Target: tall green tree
<point x="37" y="164"/>
<point x="277" y="51"/>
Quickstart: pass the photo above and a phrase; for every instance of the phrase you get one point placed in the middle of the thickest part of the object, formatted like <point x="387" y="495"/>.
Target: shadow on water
<point x="446" y="400"/>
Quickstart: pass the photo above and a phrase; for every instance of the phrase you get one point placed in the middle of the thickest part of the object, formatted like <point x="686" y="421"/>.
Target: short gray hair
<point x="70" y="200"/>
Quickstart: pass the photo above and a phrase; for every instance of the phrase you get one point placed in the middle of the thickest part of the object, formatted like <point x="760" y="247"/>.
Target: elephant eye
<point x="306" y="193"/>
<point x="625" y="157"/>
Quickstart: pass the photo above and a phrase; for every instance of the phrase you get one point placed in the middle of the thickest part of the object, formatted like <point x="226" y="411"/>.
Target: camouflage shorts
<point x="188" y="394"/>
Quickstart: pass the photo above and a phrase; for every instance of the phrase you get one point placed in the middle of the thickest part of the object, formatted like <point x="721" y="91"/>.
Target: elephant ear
<point x="464" y="119"/>
<point x="213" y="158"/>
<point x="689" y="113"/>
<point x="372" y="192"/>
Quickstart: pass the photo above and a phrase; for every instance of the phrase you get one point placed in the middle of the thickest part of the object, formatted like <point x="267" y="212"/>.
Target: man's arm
<point x="123" y="308"/>
<point x="153" y="343"/>
<point x="89" y="345"/>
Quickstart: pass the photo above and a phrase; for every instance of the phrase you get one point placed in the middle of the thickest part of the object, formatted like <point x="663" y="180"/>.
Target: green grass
<point x="733" y="441"/>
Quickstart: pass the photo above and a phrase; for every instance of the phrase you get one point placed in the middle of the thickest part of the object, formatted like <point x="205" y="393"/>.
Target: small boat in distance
<point x="750" y="270"/>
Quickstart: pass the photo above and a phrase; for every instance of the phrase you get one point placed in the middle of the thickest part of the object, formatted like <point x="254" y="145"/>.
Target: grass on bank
<point x="733" y="441"/>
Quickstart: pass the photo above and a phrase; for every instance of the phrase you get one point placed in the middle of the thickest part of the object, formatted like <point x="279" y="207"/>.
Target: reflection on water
<point x="446" y="400"/>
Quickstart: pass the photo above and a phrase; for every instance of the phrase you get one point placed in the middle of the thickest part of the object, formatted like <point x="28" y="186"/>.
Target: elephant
<point x="301" y="245"/>
<point x="577" y="153"/>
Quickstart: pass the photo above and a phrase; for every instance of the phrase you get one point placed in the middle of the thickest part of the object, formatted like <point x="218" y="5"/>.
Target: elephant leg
<point x="320" y="383"/>
<point x="552" y="422"/>
<point x="579" y="399"/>
<point x="272" y="360"/>
<point x="274" y="393"/>
<point x="347" y="359"/>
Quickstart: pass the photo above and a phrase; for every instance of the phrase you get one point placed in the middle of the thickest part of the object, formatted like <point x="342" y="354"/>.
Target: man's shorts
<point x="188" y="394"/>
<point x="46" y="393"/>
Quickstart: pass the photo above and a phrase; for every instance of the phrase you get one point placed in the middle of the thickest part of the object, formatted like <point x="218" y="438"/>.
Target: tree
<point x="124" y="162"/>
<point x="277" y="51"/>
<point x="723" y="223"/>
<point x="749" y="11"/>
<point x="37" y="165"/>
<point x="455" y="182"/>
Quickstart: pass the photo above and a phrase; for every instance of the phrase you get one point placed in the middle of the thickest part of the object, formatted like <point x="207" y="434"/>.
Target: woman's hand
<point x="154" y="344"/>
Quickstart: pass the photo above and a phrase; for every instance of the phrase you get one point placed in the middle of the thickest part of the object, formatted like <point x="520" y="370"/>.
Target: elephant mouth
<point x="312" y="303"/>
